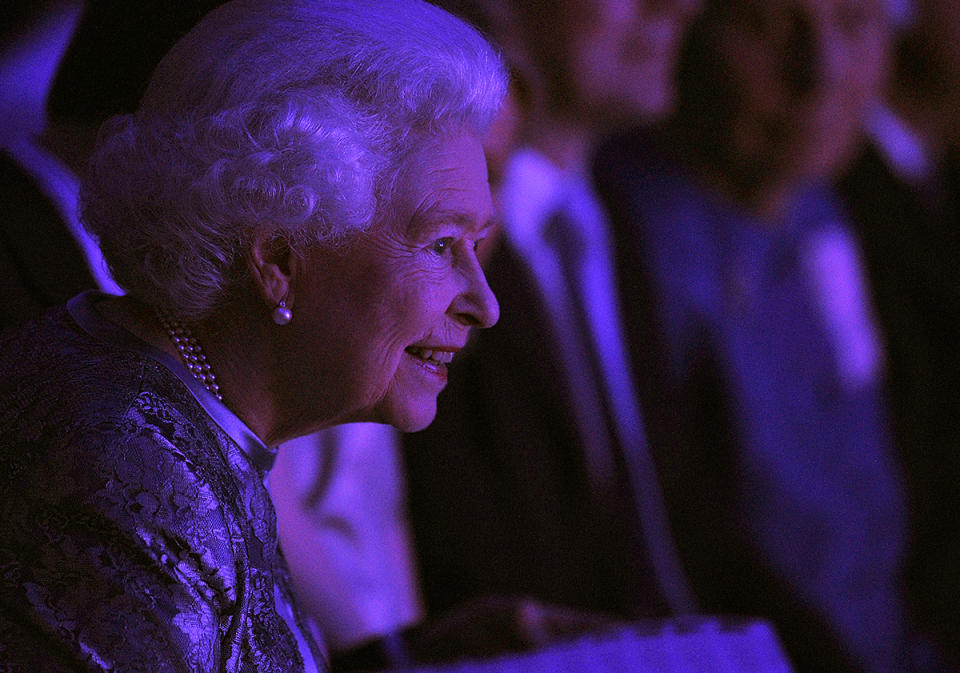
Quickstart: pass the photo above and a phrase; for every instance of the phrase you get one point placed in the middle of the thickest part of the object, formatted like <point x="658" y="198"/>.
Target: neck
<point x="934" y="121"/>
<point x="765" y="197"/>
<point x="565" y="142"/>
<point x="255" y="362"/>
<point x="139" y="319"/>
<point x="191" y="352"/>
<point x="245" y="362"/>
<point x="753" y="182"/>
<point x="768" y="202"/>
<point x="238" y="351"/>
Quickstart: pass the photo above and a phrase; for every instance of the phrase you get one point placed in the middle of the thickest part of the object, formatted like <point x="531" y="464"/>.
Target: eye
<point x="441" y="246"/>
<point x="476" y="244"/>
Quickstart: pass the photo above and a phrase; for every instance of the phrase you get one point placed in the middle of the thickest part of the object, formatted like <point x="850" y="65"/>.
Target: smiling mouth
<point x="433" y="357"/>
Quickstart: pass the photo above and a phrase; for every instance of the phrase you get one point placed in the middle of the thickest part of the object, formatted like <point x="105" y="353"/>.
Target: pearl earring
<point x="282" y="315"/>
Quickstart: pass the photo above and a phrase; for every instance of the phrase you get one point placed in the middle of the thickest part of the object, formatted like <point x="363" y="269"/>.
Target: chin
<point x="412" y="418"/>
<point x="648" y="101"/>
<point x="416" y="427"/>
<point x="414" y="424"/>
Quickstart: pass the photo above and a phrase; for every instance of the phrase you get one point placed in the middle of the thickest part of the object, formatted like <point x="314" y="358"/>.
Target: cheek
<point x="423" y="306"/>
<point x="359" y="320"/>
<point x="751" y="72"/>
<point x="413" y="309"/>
<point x="584" y="65"/>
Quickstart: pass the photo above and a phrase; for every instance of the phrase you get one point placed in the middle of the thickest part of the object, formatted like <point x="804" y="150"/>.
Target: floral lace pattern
<point x="135" y="534"/>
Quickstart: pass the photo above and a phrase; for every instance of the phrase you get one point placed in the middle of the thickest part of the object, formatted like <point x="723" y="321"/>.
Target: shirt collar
<point x="534" y="188"/>
<point x="904" y="149"/>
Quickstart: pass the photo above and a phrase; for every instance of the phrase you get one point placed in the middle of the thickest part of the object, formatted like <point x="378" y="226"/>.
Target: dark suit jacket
<point x="692" y="436"/>
<point x="40" y="263"/>
<point x="911" y="247"/>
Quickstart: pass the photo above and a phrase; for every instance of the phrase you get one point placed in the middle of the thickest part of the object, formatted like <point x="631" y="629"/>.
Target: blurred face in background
<point x="938" y="21"/>
<point x="617" y="57"/>
<point x="801" y="76"/>
<point x="932" y="57"/>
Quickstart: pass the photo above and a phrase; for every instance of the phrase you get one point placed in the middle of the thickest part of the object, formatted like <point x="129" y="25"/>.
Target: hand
<point x="498" y="624"/>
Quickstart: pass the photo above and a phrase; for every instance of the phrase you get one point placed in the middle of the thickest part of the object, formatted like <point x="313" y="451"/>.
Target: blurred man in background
<point x="904" y="194"/>
<point x="752" y="310"/>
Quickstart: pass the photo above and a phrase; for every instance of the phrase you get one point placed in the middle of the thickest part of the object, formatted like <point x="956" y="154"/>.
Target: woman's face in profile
<point x="383" y="315"/>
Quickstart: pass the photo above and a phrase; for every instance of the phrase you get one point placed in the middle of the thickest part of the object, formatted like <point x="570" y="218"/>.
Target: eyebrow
<point x="458" y="217"/>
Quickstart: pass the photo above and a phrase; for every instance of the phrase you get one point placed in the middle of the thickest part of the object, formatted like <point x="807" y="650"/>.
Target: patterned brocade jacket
<point x="136" y="533"/>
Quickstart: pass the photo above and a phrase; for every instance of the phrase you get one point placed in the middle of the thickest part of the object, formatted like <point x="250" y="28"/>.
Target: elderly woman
<point x="293" y="212"/>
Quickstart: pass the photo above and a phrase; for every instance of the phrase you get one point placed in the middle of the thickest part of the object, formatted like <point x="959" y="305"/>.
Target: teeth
<point x="438" y="357"/>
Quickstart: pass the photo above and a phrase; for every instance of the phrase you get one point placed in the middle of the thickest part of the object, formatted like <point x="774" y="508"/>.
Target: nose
<point x="800" y="61"/>
<point x="476" y="306"/>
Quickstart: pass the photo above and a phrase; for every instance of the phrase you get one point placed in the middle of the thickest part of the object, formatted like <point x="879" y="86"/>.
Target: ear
<point x="274" y="266"/>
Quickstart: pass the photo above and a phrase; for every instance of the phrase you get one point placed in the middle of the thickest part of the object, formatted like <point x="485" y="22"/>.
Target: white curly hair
<point x="285" y="117"/>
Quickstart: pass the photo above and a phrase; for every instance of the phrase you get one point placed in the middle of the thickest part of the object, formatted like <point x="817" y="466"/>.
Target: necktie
<point x="583" y="370"/>
<point x="622" y="431"/>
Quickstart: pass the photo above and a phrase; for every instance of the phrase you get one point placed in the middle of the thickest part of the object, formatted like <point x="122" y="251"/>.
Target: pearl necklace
<point x="191" y="352"/>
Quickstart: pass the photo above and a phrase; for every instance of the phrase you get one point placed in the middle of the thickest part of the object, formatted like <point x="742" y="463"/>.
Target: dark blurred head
<point x="19" y="16"/>
<point x="929" y="58"/>
<point x="776" y="91"/>
<point x="115" y="48"/>
<point x="607" y="60"/>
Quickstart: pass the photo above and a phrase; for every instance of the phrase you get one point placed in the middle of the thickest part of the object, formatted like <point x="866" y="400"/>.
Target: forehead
<point x="587" y="10"/>
<point x="446" y="177"/>
<point x="815" y="9"/>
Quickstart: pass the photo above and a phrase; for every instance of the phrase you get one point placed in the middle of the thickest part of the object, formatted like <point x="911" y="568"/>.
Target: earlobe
<point x="274" y="267"/>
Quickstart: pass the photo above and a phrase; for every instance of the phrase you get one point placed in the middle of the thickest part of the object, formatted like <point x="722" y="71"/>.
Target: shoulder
<point x="67" y="393"/>
<point x="111" y="446"/>
<point x="115" y="505"/>
<point x="104" y="423"/>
